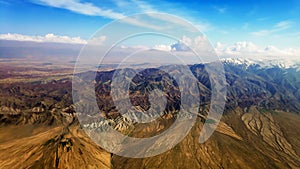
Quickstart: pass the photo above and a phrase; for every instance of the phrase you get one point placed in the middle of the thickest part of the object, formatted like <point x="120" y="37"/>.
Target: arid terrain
<point x="144" y="84"/>
<point x="39" y="127"/>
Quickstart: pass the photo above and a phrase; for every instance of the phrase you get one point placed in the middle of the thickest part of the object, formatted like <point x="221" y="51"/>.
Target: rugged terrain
<point x="260" y="127"/>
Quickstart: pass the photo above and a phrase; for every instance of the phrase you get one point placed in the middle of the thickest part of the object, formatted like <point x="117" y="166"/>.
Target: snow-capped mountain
<point x="263" y="63"/>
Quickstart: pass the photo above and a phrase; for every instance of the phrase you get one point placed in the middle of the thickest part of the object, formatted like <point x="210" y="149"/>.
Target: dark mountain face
<point x="269" y="88"/>
<point x="260" y="127"/>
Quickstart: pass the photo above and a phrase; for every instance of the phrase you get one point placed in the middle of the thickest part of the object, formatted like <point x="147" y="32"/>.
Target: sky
<point x="229" y="25"/>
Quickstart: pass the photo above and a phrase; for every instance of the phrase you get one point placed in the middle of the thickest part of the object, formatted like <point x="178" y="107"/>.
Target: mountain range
<point x="259" y="128"/>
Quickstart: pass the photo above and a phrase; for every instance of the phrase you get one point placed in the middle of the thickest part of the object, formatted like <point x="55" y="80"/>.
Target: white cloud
<point x="280" y="26"/>
<point x="126" y="7"/>
<point x="136" y="47"/>
<point x="97" y="40"/>
<point x="47" y="38"/>
<point x="250" y="50"/>
<point x="185" y="43"/>
<point x="87" y="8"/>
<point x="220" y="9"/>
<point x="82" y="8"/>
<point x="162" y="47"/>
<point x="134" y="5"/>
<point x="243" y="49"/>
<point x="283" y="25"/>
<point x="261" y="32"/>
<point x="219" y="45"/>
<point x="145" y="7"/>
<point x="135" y="21"/>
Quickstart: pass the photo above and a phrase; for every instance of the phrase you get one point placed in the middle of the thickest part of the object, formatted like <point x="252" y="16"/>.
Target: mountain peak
<point x="263" y="63"/>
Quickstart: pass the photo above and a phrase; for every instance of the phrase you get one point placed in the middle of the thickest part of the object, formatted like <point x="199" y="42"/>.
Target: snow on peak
<point x="263" y="63"/>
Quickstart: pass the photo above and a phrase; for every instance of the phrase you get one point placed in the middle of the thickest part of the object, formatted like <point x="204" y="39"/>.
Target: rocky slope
<point x="260" y="128"/>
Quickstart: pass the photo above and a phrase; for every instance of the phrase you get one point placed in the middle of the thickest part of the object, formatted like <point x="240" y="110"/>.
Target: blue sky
<point x="263" y="22"/>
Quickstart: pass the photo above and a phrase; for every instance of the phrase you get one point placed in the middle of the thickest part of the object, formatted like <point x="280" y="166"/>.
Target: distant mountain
<point x="35" y="50"/>
<point x="278" y="86"/>
<point x="263" y="63"/>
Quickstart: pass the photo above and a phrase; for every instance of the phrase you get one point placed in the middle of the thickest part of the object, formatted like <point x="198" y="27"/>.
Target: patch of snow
<point x="263" y="63"/>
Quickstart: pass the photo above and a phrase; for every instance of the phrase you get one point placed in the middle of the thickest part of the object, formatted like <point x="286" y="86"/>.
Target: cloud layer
<point x="47" y="38"/>
<point x="241" y="49"/>
<point x="250" y="50"/>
